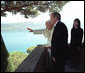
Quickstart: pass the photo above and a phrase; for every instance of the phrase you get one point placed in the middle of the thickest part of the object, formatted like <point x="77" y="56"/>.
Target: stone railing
<point x="37" y="61"/>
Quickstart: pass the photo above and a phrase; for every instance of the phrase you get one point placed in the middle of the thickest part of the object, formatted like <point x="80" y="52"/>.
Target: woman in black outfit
<point x="76" y="43"/>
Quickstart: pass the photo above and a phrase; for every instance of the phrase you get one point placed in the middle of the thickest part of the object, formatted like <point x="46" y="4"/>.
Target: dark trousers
<point x="59" y="66"/>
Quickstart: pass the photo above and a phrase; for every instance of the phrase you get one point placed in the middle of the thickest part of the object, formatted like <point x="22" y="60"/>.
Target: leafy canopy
<point x="30" y="8"/>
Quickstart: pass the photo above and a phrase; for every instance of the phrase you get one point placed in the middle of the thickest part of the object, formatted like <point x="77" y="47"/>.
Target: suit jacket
<point x="59" y="41"/>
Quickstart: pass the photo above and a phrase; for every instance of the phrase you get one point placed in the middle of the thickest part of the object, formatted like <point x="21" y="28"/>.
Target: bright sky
<point x="72" y="10"/>
<point x="11" y="18"/>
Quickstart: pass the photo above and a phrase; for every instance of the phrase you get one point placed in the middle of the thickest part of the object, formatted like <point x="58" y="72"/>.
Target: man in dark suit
<point x="59" y="42"/>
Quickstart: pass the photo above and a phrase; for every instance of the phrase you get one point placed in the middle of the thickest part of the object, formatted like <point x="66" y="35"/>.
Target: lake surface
<point x="21" y="40"/>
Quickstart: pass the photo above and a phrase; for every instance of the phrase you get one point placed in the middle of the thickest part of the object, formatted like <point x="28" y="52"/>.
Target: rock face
<point x="6" y="62"/>
<point x="4" y="56"/>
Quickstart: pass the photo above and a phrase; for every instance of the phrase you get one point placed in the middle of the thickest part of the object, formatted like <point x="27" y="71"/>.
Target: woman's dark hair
<point x="78" y="22"/>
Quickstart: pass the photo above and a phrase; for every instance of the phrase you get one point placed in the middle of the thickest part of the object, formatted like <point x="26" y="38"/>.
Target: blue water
<point x="21" y="40"/>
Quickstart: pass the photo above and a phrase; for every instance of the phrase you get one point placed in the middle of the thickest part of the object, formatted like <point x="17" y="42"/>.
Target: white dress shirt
<point x="47" y="34"/>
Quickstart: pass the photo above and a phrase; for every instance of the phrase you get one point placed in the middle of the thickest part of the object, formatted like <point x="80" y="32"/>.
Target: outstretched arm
<point x="36" y="31"/>
<point x="30" y="29"/>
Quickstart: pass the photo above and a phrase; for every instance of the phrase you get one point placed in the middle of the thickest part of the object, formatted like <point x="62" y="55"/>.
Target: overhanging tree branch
<point x="30" y="8"/>
<point x="25" y="5"/>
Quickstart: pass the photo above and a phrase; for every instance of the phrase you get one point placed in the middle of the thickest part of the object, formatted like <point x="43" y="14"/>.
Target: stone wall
<point x="37" y="61"/>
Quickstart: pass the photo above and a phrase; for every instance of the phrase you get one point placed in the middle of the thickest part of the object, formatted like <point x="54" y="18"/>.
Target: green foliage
<point x="17" y="58"/>
<point x="29" y="50"/>
<point x="10" y="66"/>
<point x="31" y="8"/>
